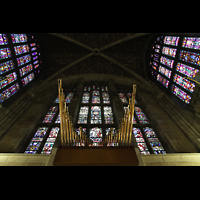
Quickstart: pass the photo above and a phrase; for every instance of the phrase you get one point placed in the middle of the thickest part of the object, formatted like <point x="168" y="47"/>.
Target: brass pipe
<point x="64" y="120"/>
<point x="61" y="122"/>
<point x="128" y="125"/>
<point x="133" y="108"/>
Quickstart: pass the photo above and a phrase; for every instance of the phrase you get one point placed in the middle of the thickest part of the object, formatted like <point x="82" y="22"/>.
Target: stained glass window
<point x="26" y="69"/>
<point x="169" y="51"/>
<point x="58" y="119"/>
<point x="50" y="115"/>
<point x="181" y="94"/>
<point x="105" y="97"/>
<point x="186" y="84"/>
<point x="186" y="70"/>
<point x="21" y="49"/>
<point x="27" y="79"/>
<point x="122" y="97"/>
<point x="54" y="132"/>
<point x="69" y="97"/>
<point x="171" y="40"/>
<point x="95" y="96"/>
<point x="36" y="140"/>
<point x="86" y="97"/>
<point x="108" y="115"/>
<point x="18" y="38"/>
<point x="33" y="49"/>
<point x="23" y="60"/>
<point x="39" y="135"/>
<point x="35" y="62"/>
<point x="96" y="115"/>
<point x="9" y="79"/>
<point x="6" y="66"/>
<point x="190" y="57"/>
<point x="9" y="92"/>
<point x="166" y="61"/>
<point x="3" y="39"/>
<point x="83" y="115"/>
<point x="141" y="116"/>
<point x="140" y="141"/>
<point x="154" y="141"/>
<point x="57" y="99"/>
<point x="163" y="80"/>
<point x="33" y="146"/>
<point x="32" y="44"/>
<point x="96" y="136"/>
<point x="165" y="71"/>
<point x="5" y="53"/>
<point x="48" y="146"/>
<point x="191" y="42"/>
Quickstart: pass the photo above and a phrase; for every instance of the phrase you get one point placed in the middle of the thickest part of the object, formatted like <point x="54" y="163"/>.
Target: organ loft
<point x="99" y="99"/>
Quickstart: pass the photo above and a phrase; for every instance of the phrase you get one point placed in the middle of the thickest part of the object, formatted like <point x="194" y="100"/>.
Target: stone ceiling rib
<point x="123" y="40"/>
<point x="71" y="40"/>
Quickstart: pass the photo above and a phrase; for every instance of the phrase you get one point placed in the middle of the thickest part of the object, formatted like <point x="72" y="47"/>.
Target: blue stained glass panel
<point x="27" y="79"/>
<point x="9" y="79"/>
<point x="95" y="135"/>
<point x="163" y="80"/>
<point x="5" y="53"/>
<point x="122" y="97"/>
<point x="186" y="70"/>
<point x="171" y="40"/>
<point x="191" y="42"/>
<point x="21" y="49"/>
<point x="186" y="84"/>
<point x="140" y="141"/>
<point x="95" y="96"/>
<point x="166" y="61"/>
<point x="165" y="71"/>
<point x="190" y="57"/>
<point x="23" y="60"/>
<point x="3" y="39"/>
<point x="169" y="51"/>
<point x="9" y="92"/>
<point x="83" y="115"/>
<point x="141" y="116"/>
<point x="96" y="115"/>
<point x="6" y="66"/>
<point x="86" y="97"/>
<point x="108" y="115"/>
<point x="181" y="94"/>
<point x="19" y="38"/>
<point x="106" y="98"/>
<point x="69" y="97"/>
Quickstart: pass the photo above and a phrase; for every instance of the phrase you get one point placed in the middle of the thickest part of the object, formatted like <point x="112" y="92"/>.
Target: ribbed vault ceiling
<point x="108" y="53"/>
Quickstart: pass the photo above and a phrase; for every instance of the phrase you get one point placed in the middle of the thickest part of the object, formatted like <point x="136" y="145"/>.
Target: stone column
<point x="118" y="109"/>
<point x="74" y="105"/>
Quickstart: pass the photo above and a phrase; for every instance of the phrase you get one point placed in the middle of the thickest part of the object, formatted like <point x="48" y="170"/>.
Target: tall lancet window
<point x="96" y="112"/>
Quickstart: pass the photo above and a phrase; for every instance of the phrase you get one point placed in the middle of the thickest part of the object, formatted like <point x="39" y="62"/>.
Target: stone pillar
<point x="74" y="104"/>
<point x="118" y="109"/>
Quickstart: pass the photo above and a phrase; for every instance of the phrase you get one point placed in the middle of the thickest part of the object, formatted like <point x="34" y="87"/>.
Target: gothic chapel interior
<point x="98" y="71"/>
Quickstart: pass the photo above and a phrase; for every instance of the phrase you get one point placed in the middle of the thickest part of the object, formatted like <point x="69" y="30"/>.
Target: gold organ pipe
<point x="133" y="108"/>
<point x="60" y="110"/>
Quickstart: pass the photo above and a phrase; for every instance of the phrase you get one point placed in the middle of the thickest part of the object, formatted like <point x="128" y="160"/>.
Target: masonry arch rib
<point x="71" y="40"/>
